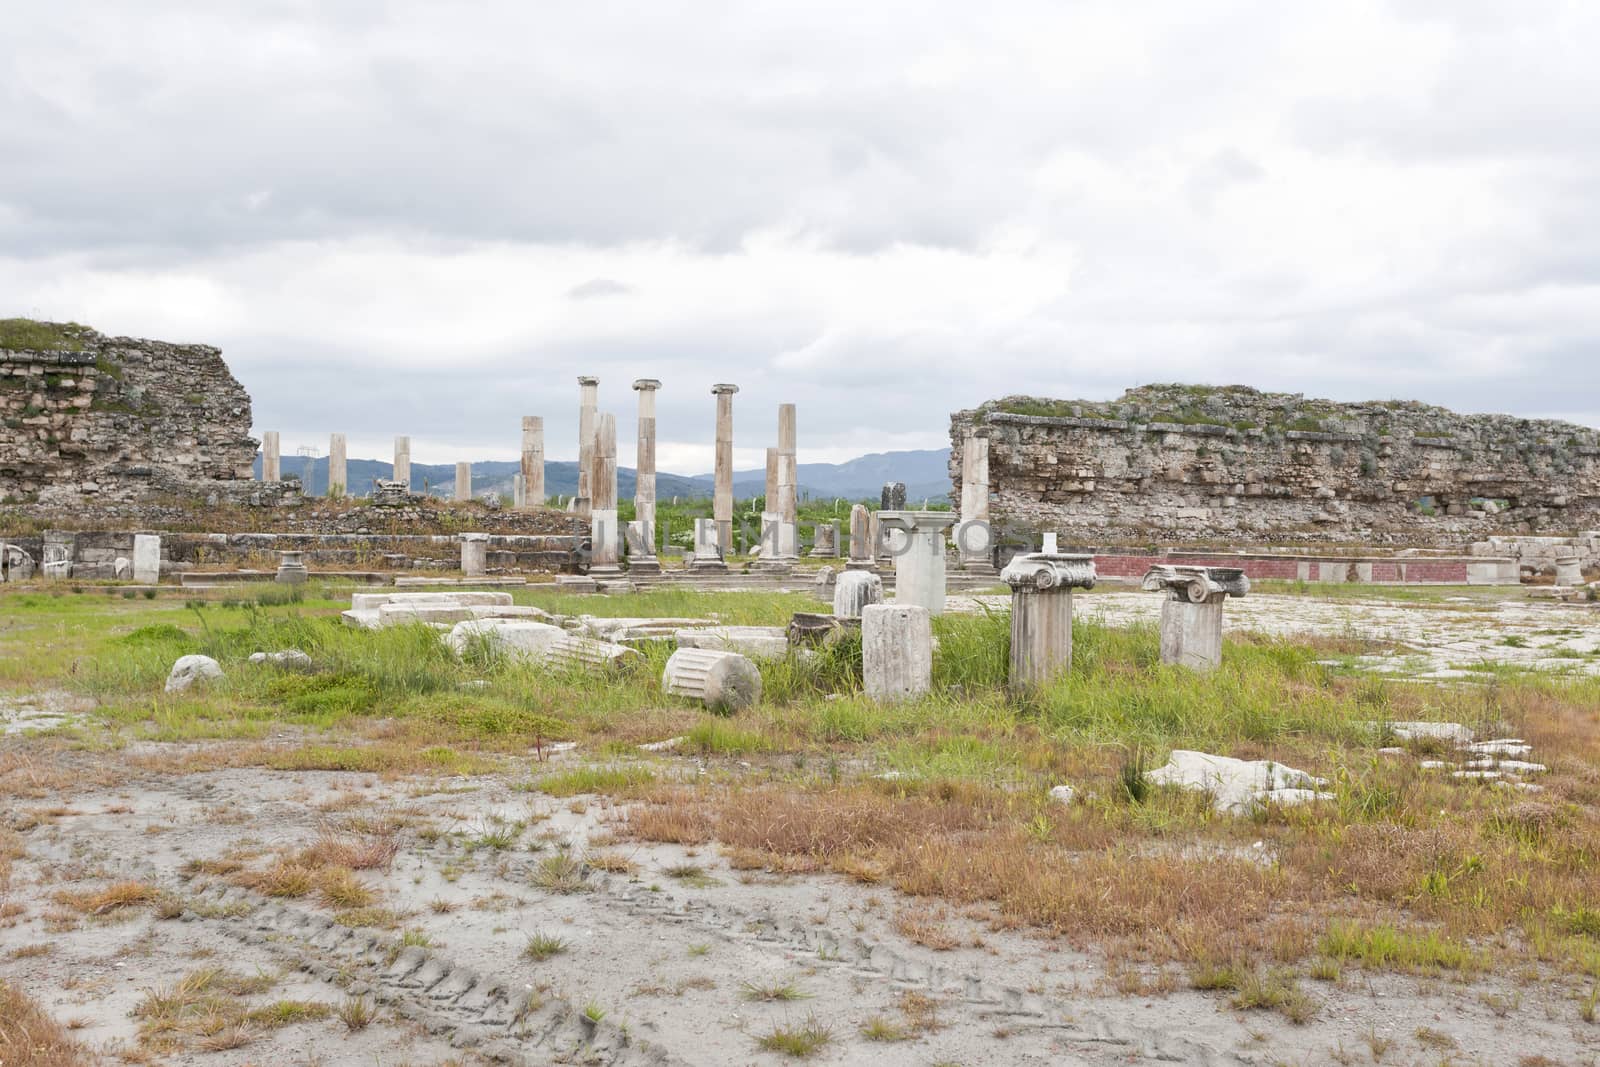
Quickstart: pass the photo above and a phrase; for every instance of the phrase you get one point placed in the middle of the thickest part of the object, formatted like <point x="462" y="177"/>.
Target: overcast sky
<point x="398" y="216"/>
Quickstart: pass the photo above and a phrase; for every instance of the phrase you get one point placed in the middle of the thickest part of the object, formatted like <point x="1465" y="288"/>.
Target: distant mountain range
<point x="925" y="472"/>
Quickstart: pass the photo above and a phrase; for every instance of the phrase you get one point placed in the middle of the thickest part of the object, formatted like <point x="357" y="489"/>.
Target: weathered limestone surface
<point x="463" y="486"/>
<point x="118" y="419"/>
<point x="532" y="461"/>
<point x="1191" y="616"/>
<point x="853" y="591"/>
<point x="725" y="682"/>
<point x="896" y="651"/>
<point x="147" y="558"/>
<point x="588" y="405"/>
<point x="1187" y="464"/>
<point x="1041" y="615"/>
<point x="338" y="466"/>
<point x="271" y="461"/>
<point x="291" y="568"/>
<point x="722" y="474"/>
<point x="603" y="503"/>
<point x="758" y="642"/>
<point x="919" y="571"/>
<point x="402" y="461"/>
<point x="861" y="546"/>
<point x="474" y="554"/>
<point x="644" y="492"/>
<point x="189" y="671"/>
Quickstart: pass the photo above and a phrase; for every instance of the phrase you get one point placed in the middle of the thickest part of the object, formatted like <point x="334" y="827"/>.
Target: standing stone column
<point x="603" y="505"/>
<point x="1191" y="617"/>
<point x="643" y="541"/>
<point x="463" y="481"/>
<point x="919" y="575"/>
<point x="861" y="543"/>
<point x="518" y="498"/>
<point x="1041" y="615"/>
<point x="474" y="554"/>
<point x="588" y="401"/>
<point x="402" y="461"/>
<point x="532" y="461"/>
<point x="769" y="512"/>
<point x="722" y="498"/>
<point x="853" y="591"/>
<point x="1569" y="568"/>
<point x="338" y="476"/>
<point x="788" y="486"/>
<point x="896" y="651"/>
<point x="974" y="540"/>
<point x="271" y="470"/>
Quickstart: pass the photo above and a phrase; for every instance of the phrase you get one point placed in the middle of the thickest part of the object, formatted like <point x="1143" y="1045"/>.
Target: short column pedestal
<point x="291" y="568"/>
<point x="896" y="651"/>
<point x="474" y="554"/>
<point x="1041" y="615"/>
<point x="1191" y="617"/>
<point x="919" y="574"/>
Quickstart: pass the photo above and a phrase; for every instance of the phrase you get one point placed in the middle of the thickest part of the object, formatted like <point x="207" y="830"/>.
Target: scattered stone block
<point x="896" y="651"/>
<point x="474" y="554"/>
<point x="726" y="682"/>
<point x="146" y="558"/>
<point x="760" y="642"/>
<point x="289" y="659"/>
<point x="189" y="671"/>
<point x="1238" y="787"/>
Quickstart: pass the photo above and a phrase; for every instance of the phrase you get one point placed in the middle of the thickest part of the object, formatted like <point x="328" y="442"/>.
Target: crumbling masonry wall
<point x="1193" y="464"/>
<point x="89" y="418"/>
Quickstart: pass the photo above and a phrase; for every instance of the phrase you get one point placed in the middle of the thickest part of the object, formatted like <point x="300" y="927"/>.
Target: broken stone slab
<point x="810" y="630"/>
<point x="189" y="671"/>
<point x="760" y="642"/>
<point x="1508" y="766"/>
<point x="625" y="628"/>
<point x="364" y="601"/>
<point x="289" y="659"/>
<point x="726" y="682"/>
<point x="540" y="642"/>
<point x="438" y="614"/>
<point x="1504" y="746"/>
<point x="514" y="637"/>
<point x="1238" y="787"/>
<point x="896" y="651"/>
<point x="1451" y="733"/>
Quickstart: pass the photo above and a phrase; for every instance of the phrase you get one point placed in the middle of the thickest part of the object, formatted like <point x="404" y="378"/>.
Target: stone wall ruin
<point x="90" y="418"/>
<point x="1181" y="464"/>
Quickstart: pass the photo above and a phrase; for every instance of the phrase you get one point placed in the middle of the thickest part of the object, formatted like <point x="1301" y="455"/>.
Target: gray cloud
<point x="390" y="213"/>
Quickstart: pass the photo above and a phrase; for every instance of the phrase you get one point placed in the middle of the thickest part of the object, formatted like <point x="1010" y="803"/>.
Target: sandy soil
<point x="666" y="960"/>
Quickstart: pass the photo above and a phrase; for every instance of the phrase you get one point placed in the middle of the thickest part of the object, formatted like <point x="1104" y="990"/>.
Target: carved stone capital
<point x="1197" y="585"/>
<point x="1038" y="572"/>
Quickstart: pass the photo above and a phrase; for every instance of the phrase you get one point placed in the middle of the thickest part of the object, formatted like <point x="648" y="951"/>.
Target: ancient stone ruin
<point x="1195" y="464"/>
<point x="89" y="417"/>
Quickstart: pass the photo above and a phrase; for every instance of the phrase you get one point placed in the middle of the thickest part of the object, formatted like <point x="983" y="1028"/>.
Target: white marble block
<point x="896" y="651"/>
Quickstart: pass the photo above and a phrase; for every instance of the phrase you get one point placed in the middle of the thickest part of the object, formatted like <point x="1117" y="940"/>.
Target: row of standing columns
<point x="596" y="490"/>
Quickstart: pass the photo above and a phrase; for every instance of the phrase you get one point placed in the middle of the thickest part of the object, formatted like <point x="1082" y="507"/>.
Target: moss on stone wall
<point x="34" y="336"/>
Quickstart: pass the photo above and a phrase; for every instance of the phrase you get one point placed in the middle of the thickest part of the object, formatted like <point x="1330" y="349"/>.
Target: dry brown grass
<point x="112" y="898"/>
<point x="357" y="852"/>
<point x="30" y="1038"/>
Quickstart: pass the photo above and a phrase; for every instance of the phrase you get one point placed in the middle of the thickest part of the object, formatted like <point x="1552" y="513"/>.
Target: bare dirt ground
<point x="666" y="956"/>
